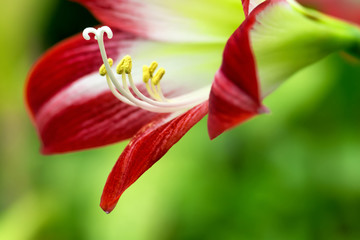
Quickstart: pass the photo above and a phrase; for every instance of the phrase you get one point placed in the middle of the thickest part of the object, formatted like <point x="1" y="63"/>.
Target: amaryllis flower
<point x="213" y="66"/>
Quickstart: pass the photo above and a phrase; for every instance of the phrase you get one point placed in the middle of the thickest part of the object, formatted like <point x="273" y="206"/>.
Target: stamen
<point x="124" y="65"/>
<point x="153" y="89"/>
<point x="102" y="69"/>
<point x="152" y="68"/>
<point x="158" y="76"/>
<point x="122" y="91"/>
<point x="146" y="74"/>
<point x="146" y="78"/>
<point x="120" y="67"/>
<point x="155" y="82"/>
<point x="127" y="64"/>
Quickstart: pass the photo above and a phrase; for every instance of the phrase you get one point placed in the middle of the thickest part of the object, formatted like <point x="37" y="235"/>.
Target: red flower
<point x="73" y="108"/>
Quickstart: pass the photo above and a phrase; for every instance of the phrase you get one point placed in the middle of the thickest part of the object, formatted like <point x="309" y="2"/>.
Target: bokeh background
<point x="292" y="174"/>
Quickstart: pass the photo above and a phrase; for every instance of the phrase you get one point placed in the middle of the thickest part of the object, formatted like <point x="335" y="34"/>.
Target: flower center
<point x="126" y="90"/>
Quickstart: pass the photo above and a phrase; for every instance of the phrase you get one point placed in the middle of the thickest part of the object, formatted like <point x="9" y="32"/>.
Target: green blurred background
<point x="292" y="174"/>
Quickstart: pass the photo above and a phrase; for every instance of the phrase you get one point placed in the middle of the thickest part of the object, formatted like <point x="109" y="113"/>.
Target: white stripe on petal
<point x="83" y="89"/>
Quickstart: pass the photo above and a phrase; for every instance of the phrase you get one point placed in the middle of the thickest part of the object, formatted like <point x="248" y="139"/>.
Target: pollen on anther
<point x="124" y="65"/>
<point x="146" y="74"/>
<point x="127" y="64"/>
<point x="102" y="69"/>
<point x="152" y="68"/>
<point x="158" y="75"/>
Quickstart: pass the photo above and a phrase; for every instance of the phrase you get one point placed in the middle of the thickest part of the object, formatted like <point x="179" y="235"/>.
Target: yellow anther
<point x="127" y="64"/>
<point x="152" y="68"/>
<point x="102" y="69"/>
<point x="124" y="65"/>
<point x="120" y="67"/>
<point x="158" y="75"/>
<point x="146" y="74"/>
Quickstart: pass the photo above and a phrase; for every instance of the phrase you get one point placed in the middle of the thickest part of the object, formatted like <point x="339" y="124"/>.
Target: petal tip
<point x="263" y="110"/>
<point x="108" y="206"/>
<point x="212" y="134"/>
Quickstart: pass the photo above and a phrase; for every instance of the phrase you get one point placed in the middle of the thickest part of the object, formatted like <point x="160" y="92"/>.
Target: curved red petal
<point x="145" y="149"/>
<point x="69" y="110"/>
<point x="235" y="94"/>
<point x="348" y="10"/>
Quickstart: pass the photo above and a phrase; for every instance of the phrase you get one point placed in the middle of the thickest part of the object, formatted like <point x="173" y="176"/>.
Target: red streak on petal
<point x="145" y="149"/>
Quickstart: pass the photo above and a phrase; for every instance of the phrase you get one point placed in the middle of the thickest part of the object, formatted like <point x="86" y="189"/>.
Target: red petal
<point x="71" y="116"/>
<point x="235" y="95"/>
<point x="145" y="149"/>
<point x="96" y="121"/>
<point x="229" y="106"/>
<point x="345" y="9"/>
